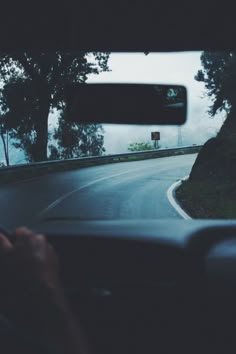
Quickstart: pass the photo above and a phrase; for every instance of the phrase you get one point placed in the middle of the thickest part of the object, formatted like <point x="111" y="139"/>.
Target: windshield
<point x="107" y="171"/>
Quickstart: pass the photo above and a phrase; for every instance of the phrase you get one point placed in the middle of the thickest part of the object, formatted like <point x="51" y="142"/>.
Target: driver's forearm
<point x="62" y="328"/>
<point x="69" y="334"/>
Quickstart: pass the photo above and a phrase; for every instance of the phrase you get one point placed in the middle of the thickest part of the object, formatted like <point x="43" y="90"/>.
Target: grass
<point x="208" y="199"/>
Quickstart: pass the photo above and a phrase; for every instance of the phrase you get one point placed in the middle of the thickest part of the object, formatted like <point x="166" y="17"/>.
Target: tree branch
<point x="28" y="68"/>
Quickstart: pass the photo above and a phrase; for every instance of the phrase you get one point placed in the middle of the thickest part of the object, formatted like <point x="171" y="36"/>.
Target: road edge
<point x="171" y="197"/>
<point x="17" y="173"/>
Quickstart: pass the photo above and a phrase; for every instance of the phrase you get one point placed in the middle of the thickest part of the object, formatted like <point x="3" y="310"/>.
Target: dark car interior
<point x="142" y="286"/>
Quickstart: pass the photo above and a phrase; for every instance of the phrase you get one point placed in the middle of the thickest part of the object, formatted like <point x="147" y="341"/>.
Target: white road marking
<point x="64" y="196"/>
<point x="173" y="202"/>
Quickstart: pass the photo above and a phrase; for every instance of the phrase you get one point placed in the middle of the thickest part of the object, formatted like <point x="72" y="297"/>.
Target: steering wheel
<point x="201" y="242"/>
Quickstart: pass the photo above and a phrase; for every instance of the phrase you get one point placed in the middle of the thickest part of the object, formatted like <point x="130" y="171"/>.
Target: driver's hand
<point x="31" y="253"/>
<point x="31" y="294"/>
<point x="29" y="277"/>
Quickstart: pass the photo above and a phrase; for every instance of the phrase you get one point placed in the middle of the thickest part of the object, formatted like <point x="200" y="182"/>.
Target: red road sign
<point x="155" y="135"/>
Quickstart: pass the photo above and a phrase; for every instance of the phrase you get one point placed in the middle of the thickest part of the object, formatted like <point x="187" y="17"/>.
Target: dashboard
<point x="150" y="286"/>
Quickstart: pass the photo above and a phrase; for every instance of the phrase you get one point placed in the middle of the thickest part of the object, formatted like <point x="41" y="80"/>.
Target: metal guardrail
<point x="49" y="165"/>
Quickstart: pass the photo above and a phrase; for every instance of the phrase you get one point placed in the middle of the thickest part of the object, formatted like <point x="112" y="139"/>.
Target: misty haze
<point x="164" y="68"/>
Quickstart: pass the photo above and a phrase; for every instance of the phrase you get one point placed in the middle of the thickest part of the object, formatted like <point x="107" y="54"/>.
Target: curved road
<point x="128" y="190"/>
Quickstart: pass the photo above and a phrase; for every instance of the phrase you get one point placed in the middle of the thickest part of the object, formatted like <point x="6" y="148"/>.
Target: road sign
<point x="155" y="135"/>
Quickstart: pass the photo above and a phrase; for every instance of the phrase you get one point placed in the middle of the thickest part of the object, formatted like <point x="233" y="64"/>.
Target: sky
<point x="159" y="68"/>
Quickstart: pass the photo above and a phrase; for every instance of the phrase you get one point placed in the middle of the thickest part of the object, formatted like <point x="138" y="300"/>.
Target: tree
<point x="19" y="107"/>
<point x="219" y="76"/>
<point x="4" y="134"/>
<point x="75" y="140"/>
<point x="35" y="83"/>
<point x="142" y="146"/>
<point x="218" y="155"/>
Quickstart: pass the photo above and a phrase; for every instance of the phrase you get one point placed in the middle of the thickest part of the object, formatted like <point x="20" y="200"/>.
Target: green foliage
<point x="219" y="76"/>
<point x="208" y="200"/>
<point x="216" y="161"/>
<point x="22" y="112"/>
<point x="76" y="140"/>
<point x="35" y="83"/>
<point x="142" y="146"/>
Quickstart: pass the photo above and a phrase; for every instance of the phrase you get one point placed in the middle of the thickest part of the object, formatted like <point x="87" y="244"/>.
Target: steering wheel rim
<point x="201" y="242"/>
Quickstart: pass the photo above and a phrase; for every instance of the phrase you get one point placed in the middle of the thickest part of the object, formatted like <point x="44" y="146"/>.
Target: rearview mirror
<point x="126" y="103"/>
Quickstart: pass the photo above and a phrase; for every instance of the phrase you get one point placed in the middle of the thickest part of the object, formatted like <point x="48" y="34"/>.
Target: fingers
<point x="40" y="247"/>
<point x="26" y="237"/>
<point x="35" y="243"/>
<point x="5" y="244"/>
<point x="24" y="234"/>
<point x="31" y="266"/>
<point x="23" y="231"/>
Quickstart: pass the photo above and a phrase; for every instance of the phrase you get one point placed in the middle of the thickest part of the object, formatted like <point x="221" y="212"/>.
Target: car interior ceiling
<point x="119" y="26"/>
<point x="160" y="301"/>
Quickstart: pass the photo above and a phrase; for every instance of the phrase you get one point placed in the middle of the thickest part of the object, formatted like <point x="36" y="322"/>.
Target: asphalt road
<point x="128" y="190"/>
